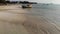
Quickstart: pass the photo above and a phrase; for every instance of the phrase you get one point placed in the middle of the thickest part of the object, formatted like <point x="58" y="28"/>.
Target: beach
<point x="11" y="20"/>
<point x="15" y="20"/>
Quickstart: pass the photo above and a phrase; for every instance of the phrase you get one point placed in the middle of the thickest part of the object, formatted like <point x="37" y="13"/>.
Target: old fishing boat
<point x="27" y="4"/>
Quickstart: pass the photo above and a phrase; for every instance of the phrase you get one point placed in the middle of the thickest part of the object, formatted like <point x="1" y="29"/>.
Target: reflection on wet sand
<point x="41" y="22"/>
<point x="15" y="20"/>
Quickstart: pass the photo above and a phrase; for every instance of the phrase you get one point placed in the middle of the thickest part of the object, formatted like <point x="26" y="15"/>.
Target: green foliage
<point x="2" y="1"/>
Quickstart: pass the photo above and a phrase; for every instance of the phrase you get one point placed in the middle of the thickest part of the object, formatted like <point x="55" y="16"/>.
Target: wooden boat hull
<point x="26" y="6"/>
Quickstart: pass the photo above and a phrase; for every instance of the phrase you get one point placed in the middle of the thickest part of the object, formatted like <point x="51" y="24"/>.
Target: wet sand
<point x="15" y="20"/>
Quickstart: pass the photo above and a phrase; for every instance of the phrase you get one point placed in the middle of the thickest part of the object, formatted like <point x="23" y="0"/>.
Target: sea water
<point x="48" y="11"/>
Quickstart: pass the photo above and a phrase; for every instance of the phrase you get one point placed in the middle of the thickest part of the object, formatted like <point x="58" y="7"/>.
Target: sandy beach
<point x="11" y="20"/>
<point x="15" y="20"/>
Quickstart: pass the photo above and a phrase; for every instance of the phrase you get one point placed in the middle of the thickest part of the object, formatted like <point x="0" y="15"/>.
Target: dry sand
<point x="11" y="19"/>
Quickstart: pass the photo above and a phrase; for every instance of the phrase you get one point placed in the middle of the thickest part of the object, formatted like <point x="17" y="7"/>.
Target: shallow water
<point x="45" y="18"/>
<point x="51" y="12"/>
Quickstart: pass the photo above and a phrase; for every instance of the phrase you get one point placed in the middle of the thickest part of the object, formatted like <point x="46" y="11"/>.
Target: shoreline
<point x="16" y="20"/>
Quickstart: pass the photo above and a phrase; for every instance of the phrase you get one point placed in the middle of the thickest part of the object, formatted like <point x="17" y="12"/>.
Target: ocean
<point x="50" y="12"/>
<point x="44" y="18"/>
<point x="46" y="6"/>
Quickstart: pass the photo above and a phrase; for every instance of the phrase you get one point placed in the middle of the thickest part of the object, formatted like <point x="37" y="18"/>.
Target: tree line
<point x="22" y="2"/>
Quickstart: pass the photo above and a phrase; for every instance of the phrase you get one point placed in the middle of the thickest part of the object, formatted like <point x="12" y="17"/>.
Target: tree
<point x="2" y="1"/>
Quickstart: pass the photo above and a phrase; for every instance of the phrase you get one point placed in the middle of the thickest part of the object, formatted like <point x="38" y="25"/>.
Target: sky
<point x="42" y="1"/>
